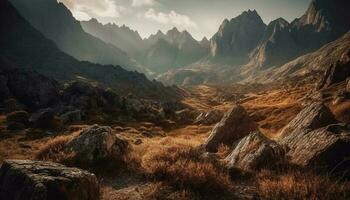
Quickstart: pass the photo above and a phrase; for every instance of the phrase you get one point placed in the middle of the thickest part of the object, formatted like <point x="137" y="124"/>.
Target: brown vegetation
<point x="54" y="150"/>
<point x="300" y="185"/>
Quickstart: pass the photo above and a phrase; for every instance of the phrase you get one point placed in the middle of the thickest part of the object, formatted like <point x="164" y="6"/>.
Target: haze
<point x="200" y="17"/>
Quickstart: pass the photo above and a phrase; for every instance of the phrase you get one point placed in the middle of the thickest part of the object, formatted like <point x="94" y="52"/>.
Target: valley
<point x="93" y="111"/>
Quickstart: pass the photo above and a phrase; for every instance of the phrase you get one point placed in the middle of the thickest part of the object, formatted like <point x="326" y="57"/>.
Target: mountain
<point x="121" y="36"/>
<point x="323" y="22"/>
<point x="26" y="48"/>
<point x="316" y="62"/>
<point x="172" y="50"/>
<point x="276" y="47"/>
<point x="238" y="37"/>
<point x="56" y="22"/>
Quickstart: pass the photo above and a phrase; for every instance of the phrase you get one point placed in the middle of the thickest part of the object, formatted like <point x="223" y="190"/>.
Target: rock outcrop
<point x="210" y="117"/>
<point x="235" y="125"/>
<point x="336" y="73"/>
<point x="96" y="144"/>
<point x="255" y="152"/>
<point x="327" y="147"/>
<point x="25" y="179"/>
<point x="314" y="116"/>
<point x="239" y="36"/>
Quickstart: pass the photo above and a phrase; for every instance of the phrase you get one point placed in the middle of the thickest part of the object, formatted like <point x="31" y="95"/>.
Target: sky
<point x="199" y="17"/>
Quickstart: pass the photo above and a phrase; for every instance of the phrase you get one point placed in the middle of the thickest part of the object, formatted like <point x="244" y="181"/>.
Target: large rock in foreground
<point x="97" y="144"/>
<point x="256" y="152"/>
<point x="327" y="147"/>
<point x="310" y="118"/>
<point x="235" y="125"/>
<point x="24" y="179"/>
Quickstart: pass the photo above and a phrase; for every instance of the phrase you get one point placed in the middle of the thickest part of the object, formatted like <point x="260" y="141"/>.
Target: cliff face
<point x="26" y="48"/>
<point x="239" y="36"/>
<point x="56" y="22"/>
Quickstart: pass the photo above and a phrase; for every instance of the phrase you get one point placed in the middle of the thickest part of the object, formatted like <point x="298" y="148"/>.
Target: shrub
<point x="54" y="151"/>
<point x="184" y="168"/>
<point x="301" y="185"/>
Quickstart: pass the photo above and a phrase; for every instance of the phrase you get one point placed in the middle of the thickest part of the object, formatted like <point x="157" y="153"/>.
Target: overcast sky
<point x="200" y="17"/>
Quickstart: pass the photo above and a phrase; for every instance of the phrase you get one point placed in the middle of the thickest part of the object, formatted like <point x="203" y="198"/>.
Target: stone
<point x="336" y="73"/>
<point x="255" y="152"/>
<point x="327" y="147"/>
<point x="42" y="118"/>
<point x="71" y="116"/>
<point x="235" y="125"/>
<point x="32" y="89"/>
<point x="97" y="144"/>
<point x="313" y="116"/>
<point x="210" y="117"/>
<point x="26" y="179"/>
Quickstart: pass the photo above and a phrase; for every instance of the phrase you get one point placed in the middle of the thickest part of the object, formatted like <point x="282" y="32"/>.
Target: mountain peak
<point x="279" y="22"/>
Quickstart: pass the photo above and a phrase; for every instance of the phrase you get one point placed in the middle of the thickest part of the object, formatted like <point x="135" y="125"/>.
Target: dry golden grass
<point x="54" y="150"/>
<point x="161" y="191"/>
<point x="299" y="186"/>
<point x="178" y="163"/>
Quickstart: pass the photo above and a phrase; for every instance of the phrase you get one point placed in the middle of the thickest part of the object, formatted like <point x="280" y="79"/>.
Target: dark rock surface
<point x="313" y="116"/>
<point x="235" y="125"/>
<point x="255" y="152"/>
<point x="336" y="73"/>
<point x="327" y="147"/>
<point x="97" y="144"/>
<point x="25" y="179"/>
<point x="210" y="117"/>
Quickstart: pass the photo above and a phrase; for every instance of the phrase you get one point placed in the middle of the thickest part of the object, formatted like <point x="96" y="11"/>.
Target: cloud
<point x="138" y="3"/>
<point x="104" y="10"/>
<point x="170" y="18"/>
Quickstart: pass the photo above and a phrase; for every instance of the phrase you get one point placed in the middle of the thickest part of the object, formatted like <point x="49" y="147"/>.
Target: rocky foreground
<point x="223" y="161"/>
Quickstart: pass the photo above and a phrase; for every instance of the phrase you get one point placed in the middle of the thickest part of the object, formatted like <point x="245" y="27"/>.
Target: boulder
<point x="97" y="144"/>
<point x="327" y="147"/>
<point x="43" y="118"/>
<point x="25" y="179"/>
<point x="211" y="117"/>
<point x="71" y="116"/>
<point x="312" y="117"/>
<point x="85" y="96"/>
<point x="336" y="73"/>
<point x="18" y="116"/>
<point x="185" y="116"/>
<point x="235" y="125"/>
<point x="32" y="89"/>
<point x="255" y="152"/>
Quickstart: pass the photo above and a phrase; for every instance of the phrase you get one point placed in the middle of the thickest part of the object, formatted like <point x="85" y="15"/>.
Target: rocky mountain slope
<point x="314" y="63"/>
<point x="172" y="50"/>
<point x="121" y="36"/>
<point x="68" y="34"/>
<point x="237" y="37"/>
<point x="26" y="48"/>
<point x="249" y="50"/>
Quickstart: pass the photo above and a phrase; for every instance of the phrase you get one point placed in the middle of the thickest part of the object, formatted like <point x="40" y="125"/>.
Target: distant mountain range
<point x="243" y="47"/>
<point x="26" y="48"/>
